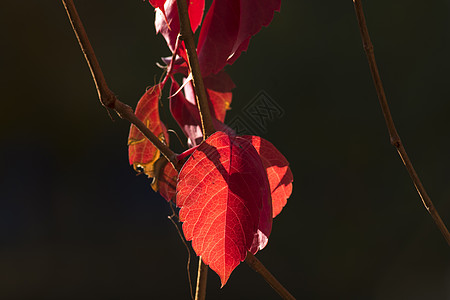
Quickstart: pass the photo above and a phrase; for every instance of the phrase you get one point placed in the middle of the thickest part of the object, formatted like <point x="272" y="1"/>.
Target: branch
<point x="106" y="96"/>
<point x="187" y="36"/>
<point x="200" y="93"/>
<point x="395" y="138"/>
<point x="258" y="267"/>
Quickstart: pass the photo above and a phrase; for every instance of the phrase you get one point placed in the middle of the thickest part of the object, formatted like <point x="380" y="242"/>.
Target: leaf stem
<point x="394" y="137"/>
<point x="105" y="95"/>
<point x="258" y="267"/>
<point x="188" y="37"/>
<point x="187" y="153"/>
<point x="202" y="276"/>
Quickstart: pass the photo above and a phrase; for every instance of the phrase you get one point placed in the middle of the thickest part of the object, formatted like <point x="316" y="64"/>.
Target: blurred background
<point x="76" y="222"/>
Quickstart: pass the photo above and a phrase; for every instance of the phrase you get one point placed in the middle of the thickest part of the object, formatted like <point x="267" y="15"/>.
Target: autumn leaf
<point x="184" y="110"/>
<point x="218" y="88"/>
<point x="157" y="3"/>
<point x="196" y="9"/>
<point x="277" y="169"/>
<point x="186" y="114"/>
<point x="221" y="191"/>
<point x="253" y="15"/>
<point x="218" y="35"/>
<point x="165" y="180"/>
<point x="227" y="29"/>
<point x="141" y="152"/>
<point x="168" y="24"/>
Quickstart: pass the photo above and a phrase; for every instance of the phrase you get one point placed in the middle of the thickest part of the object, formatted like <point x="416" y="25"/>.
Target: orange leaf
<point x="142" y="153"/>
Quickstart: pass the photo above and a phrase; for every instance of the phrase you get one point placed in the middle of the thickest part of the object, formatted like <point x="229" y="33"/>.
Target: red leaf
<point x="254" y="15"/>
<point x="227" y="29"/>
<point x="157" y="3"/>
<point x="168" y="182"/>
<point x="196" y="10"/>
<point x="185" y="112"/>
<point x="141" y="152"/>
<point x="278" y="171"/>
<point x="169" y="25"/>
<point x="165" y="181"/>
<point x="261" y="237"/>
<point x="221" y="190"/>
<point x="218" y="35"/>
<point x="218" y="87"/>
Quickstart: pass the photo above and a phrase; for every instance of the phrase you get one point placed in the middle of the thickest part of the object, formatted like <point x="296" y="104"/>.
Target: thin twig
<point x="258" y="267"/>
<point x="171" y="65"/>
<point x="202" y="276"/>
<point x="188" y="37"/>
<point x="395" y="138"/>
<point x="188" y="264"/>
<point x="106" y="96"/>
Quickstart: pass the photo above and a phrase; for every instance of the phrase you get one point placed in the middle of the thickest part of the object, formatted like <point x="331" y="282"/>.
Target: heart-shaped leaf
<point x="221" y="191"/>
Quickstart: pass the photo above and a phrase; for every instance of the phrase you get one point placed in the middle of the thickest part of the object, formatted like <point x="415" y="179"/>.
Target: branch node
<point x="368" y="47"/>
<point x="108" y="99"/>
<point x="122" y="109"/>
<point x="396" y="142"/>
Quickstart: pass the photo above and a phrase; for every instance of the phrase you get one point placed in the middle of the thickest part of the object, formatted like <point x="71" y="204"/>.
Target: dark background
<point x="75" y="221"/>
